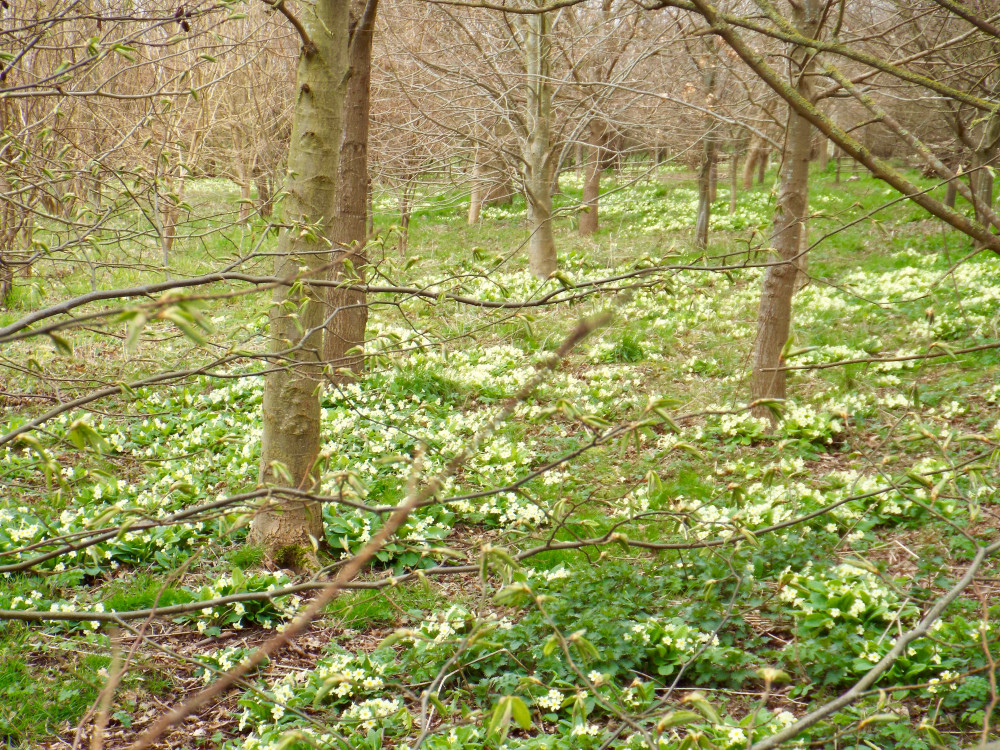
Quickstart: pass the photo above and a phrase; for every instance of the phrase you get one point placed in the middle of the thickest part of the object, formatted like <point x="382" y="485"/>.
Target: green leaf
<point x="82" y="435"/>
<point x="62" y="345"/>
<point x="499" y="725"/>
<point x="124" y="51"/>
<point x="520" y="712"/>
<point x="135" y="326"/>
<point x="878" y="719"/>
<point x="512" y="594"/>
<point x="677" y="718"/>
<point x="587" y="649"/>
<point x="185" y="322"/>
<point x="705" y="708"/>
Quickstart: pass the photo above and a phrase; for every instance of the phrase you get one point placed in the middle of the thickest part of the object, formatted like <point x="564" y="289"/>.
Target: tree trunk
<point x="713" y="176"/>
<point x="982" y="175"/>
<point x="774" y="316"/>
<point x="348" y="311"/>
<point x="405" y="209"/>
<point x="169" y="215"/>
<point x="542" y="243"/>
<point x="589" y="221"/>
<point x="476" y="197"/>
<point x="498" y="191"/>
<point x="538" y="147"/>
<point x="753" y="156"/>
<point x="704" y="192"/>
<point x="245" y="204"/>
<point x="765" y="155"/>
<point x="264" y="197"/>
<point x="951" y="193"/>
<point x="734" y="171"/>
<point x="291" y="529"/>
<point x="824" y="153"/>
<point x="491" y="185"/>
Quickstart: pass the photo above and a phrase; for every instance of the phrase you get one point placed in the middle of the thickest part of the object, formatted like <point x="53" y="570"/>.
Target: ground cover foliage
<point x="639" y="561"/>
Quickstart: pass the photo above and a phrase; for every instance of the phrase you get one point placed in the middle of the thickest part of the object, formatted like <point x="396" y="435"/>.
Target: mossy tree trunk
<point x="291" y="529"/>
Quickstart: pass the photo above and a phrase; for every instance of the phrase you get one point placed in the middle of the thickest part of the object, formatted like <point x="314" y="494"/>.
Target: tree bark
<point x="753" y="156"/>
<point x="290" y="530"/>
<point x="491" y="184"/>
<point x="823" y="153"/>
<point x="245" y="206"/>
<point x="713" y="175"/>
<point x="476" y="196"/>
<point x="542" y="243"/>
<point x="405" y="210"/>
<point x="774" y="316"/>
<point x="538" y="147"/>
<point x="347" y="310"/>
<point x="764" y="157"/>
<point x="950" y="195"/>
<point x="589" y="220"/>
<point x="981" y="175"/>
<point x="264" y="197"/>
<point x="734" y="167"/>
<point x="704" y="192"/>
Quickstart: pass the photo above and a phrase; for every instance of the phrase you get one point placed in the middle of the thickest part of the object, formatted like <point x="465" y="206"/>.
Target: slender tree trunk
<point x="491" y="185"/>
<point x="775" y="312"/>
<point x="538" y="147"/>
<point x="983" y="160"/>
<point x="753" y="156"/>
<point x="824" y="153"/>
<point x="348" y="311"/>
<point x="765" y="155"/>
<point x="476" y="197"/>
<point x="589" y="221"/>
<point x="774" y="316"/>
<point x="264" y="198"/>
<point x="291" y="529"/>
<point x="8" y="233"/>
<point x="371" y="208"/>
<point x="713" y="175"/>
<point x="734" y="172"/>
<point x="497" y="189"/>
<point x="169" y="214"/>
<point x="704" y="192"/>
<point x="405" y="209"/>
<point x="951" y="193"/>
<point x="245" y="204"/>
